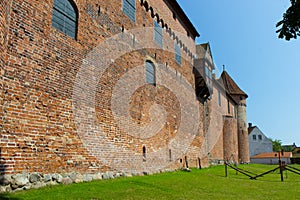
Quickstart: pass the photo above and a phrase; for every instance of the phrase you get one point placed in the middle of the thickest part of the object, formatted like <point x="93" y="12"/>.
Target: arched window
<point x="150" y="73"/>
<point x="64" y="17"/>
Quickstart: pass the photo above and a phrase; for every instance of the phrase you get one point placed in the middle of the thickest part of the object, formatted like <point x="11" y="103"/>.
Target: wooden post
<point x="199" y="161"/>
<point x="186" y="162"/>
<point x="280" y="166"/>
<point x="281" y="171"/>
<point x="226" y="173"/>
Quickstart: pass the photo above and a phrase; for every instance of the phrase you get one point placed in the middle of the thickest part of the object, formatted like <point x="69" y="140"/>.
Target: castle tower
<point x="230" y="139"/>
<point x="244" y="155"/>
<point x="239" y="97"/>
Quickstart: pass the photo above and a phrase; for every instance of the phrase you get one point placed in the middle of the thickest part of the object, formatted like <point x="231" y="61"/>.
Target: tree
<point x="289" y="26"/>
<point x="277" y="145"/>
<point x="289" y="148"/>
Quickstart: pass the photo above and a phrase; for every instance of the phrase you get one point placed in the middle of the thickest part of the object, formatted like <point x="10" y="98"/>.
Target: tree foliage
<point x="289" y="26"/>
<point x="277" y="145"/>
<point x="289" y="149"/>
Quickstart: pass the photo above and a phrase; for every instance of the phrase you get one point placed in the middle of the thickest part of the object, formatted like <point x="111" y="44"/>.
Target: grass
<point x="209" y="183"/>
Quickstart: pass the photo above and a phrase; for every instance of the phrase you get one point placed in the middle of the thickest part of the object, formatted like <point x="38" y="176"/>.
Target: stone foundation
<point x="26" y="181"/>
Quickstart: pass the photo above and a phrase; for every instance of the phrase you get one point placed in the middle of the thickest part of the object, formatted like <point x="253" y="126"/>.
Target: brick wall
<point x="60" y="108"/>
<point x="230" y="139"/>
<point x="4" y="19"/>
<point x="40" y="133"/>
<point x="244" y="154"/>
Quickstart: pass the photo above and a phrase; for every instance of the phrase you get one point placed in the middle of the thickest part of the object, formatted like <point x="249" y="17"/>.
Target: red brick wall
<point x="230" y="139"/>
<point x="215" y="123"/>
<point x="4" y="19"/>
<point x="244" y="154"/>
<point x="39" y="131"/>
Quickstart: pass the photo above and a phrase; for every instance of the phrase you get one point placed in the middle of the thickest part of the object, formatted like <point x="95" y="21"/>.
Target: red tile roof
<point x="273" y="155"/>
<point x="231" y="87"/>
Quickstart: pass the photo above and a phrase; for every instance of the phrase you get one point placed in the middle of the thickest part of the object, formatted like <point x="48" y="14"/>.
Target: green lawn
<point x="209" y="183"/>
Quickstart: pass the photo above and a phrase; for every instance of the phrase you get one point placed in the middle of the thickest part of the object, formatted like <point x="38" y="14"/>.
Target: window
<point x="259" y="137"/>
<point x="208" y="73"/>
<point x="144" y="154"/>
<point x="170" y="155"/>
<point x="254" y="137"/>
<point x="158" y="34"/>
<point x="150" y="73"/>
<point x="234" y="111"/>
<point x="177" y="53"/>
<point x="129" y="9"/>
<point x="228" y="106"/>
<point x="64" y="17"/>
<point x="219" y="98"/>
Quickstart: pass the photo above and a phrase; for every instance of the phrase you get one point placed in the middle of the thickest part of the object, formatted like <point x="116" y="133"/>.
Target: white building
<point x="258" y="142"/>
<point x="271" y="158"/>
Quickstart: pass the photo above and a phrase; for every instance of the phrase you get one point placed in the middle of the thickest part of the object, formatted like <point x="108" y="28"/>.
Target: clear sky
<point x="242" y="37"/>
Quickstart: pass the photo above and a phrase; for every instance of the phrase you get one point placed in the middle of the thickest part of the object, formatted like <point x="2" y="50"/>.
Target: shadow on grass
<point x="260" y="179"/>
<point x="273" y="177"/>
<point x="6" y="197"/>
<point x="150" y="185"/>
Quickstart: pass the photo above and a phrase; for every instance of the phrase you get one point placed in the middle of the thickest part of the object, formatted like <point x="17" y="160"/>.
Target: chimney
<point x="249" y="125"/>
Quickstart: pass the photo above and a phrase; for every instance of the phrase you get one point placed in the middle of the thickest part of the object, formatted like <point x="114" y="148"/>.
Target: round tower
<point x="243" y="143"/>
<point x="239" y="97"/>
<point x="230" y="139"/>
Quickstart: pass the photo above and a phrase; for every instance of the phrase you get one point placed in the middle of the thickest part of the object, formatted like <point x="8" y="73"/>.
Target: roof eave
<point x="183" y="17"/>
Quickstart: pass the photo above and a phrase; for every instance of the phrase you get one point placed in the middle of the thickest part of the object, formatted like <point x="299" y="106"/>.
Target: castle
<point x="93" y="86"/>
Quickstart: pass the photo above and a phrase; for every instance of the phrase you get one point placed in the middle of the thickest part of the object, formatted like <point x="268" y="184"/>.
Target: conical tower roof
<point x="230" y="86"/>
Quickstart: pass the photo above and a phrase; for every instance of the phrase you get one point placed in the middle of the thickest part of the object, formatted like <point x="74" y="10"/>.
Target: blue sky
<point x="242" y="37"/>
